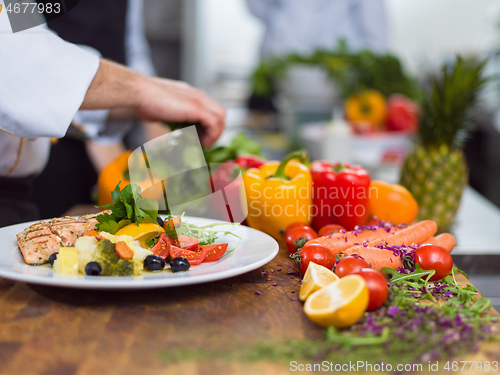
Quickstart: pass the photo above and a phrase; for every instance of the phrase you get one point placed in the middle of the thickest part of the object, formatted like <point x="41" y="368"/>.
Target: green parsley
<point x="128" y="207"/>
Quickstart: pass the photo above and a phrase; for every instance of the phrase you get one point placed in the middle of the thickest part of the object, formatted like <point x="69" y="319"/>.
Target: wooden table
<point x="46" y="330"/>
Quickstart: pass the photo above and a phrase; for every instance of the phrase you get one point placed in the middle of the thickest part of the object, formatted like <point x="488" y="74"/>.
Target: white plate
<point x="252" y="251"/>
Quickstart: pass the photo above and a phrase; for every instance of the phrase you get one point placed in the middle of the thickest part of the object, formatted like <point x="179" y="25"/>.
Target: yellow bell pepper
<point x="279" y="194"/>
<point x="367" y="106"/>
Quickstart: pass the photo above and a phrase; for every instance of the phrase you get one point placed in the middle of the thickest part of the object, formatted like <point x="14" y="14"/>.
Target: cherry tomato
<point x="296" y="234"/>
<point x="433" y="257"/>
<point x="193" y="257"/>
<point x="377" y="287"/>
<point x="316" y="253"/>
<point x="162" y="246"/>
<point x="185" y="242"/>
<point x="295" y="225"/>
<point x="349" y="265"/>
<point x="330" y="229"/>
<point x="214" y="252"/>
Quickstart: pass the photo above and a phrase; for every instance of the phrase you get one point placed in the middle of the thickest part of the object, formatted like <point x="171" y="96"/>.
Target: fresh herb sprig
<point x="415" y="286"/>
<point x="128" y="207"/>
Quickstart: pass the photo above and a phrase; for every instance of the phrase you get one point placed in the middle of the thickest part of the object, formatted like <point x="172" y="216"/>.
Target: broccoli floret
<point x="110" y="262"/>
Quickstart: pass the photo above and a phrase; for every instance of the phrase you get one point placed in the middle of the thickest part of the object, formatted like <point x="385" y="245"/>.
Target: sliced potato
<point x="67" y="261"/>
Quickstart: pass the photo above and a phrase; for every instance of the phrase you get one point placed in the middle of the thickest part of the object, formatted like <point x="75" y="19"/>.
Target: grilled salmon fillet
<point x="91" y="219"/>
<point x="68" y="229"/>
<point x="37" y="242"/>
<point x="40" y="240"/>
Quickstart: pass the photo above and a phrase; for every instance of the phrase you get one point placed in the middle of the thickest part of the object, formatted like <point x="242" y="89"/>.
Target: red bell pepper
<point x="225" y="178"/>
<point x="340" y="195"/>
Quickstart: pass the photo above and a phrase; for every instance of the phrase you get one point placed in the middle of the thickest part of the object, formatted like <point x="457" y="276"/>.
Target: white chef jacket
<point x="304" y="25"/>
<point x="45" y="85"/>
<point x="43" y="81"/>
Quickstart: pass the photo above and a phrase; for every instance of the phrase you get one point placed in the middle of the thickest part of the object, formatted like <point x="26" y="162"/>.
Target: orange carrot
<point x="342" y="241"/>
<point x="123" y="250"/>
<point x="415" y="234"/>
<point x="91" y="233"/>
<point x="445" y="240"/>
<point x="377" y="258"/>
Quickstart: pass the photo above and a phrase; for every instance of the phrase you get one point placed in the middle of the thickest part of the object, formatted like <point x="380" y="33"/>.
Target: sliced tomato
<point x="162" y="246"/>
<point x="185" y="242"/>
<point x="214" y="252"/>
<point x="193" y="257"/>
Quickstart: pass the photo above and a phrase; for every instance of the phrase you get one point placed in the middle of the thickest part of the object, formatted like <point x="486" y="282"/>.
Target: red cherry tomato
<point x="316" y="253"/>
<point x="185" y="242"/>
<point x="296" y="234"/>
<point x="162" y="246"/>
<point x="377" y="287"/>
<point x="214" y="252"/>
<point x="349" y="265"/>
<point x="295" y="225"/>
<point x="433" y="257"/>
<point x="193" y="257"/>
<point x="330" y="229"/>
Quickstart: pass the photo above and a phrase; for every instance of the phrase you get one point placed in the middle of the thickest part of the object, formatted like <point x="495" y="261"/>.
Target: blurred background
<point x="217" y="45"/>
<point x="342" y="78"/>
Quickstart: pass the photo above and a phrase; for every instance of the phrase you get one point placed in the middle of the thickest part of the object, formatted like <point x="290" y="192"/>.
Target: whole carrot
<point x="445" y="240"/>
<point x="375" y="257"/>
<point x="343" y="241"/>
<point x="415" y="234"/>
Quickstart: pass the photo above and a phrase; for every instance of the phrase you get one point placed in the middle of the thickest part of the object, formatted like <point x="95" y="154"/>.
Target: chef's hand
<point x="157" y="99"/>
<point x="175" y="101"/>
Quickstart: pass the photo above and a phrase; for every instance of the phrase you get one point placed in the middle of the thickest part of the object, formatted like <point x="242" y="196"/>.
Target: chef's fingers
<point x="175" y="101"/>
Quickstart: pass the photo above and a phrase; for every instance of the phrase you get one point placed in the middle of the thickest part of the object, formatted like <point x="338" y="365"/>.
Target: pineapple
<point x="435" y="171"/>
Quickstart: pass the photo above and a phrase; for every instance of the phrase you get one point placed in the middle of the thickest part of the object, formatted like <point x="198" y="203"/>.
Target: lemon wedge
<point x="316" y="277"/>
<point x="141" y="232"/>
<point x="339" y="304"/>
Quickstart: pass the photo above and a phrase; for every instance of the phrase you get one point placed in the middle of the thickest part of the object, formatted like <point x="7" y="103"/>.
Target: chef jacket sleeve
<point x="43" y="81"/>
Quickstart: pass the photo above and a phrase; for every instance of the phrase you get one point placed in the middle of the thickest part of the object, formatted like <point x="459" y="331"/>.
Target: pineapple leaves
<point x="449" y="101"/>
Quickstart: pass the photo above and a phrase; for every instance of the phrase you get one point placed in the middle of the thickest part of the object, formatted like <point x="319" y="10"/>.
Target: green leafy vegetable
<point x="412" y="279"/>
<point x="332" y="335"/>
<point x="351" y="71"/>
<point x="152" y="241"/>
<point x="239" y="145"/>
<point x="128" y="207"/>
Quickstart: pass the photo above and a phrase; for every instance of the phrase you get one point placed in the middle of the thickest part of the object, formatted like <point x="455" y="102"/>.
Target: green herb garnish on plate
<point x="128" y="207"/>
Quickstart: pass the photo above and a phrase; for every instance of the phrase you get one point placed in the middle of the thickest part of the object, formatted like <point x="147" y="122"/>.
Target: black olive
<point x="160" y="221"/>
<point x="179" y="264"/>
<point x="52" y="258"/>
<point x="93" y="269"/>
<point x="154" y="263"/>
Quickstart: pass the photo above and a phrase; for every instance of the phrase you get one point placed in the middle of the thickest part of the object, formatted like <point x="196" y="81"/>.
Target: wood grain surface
<point x="57" y="331"/>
